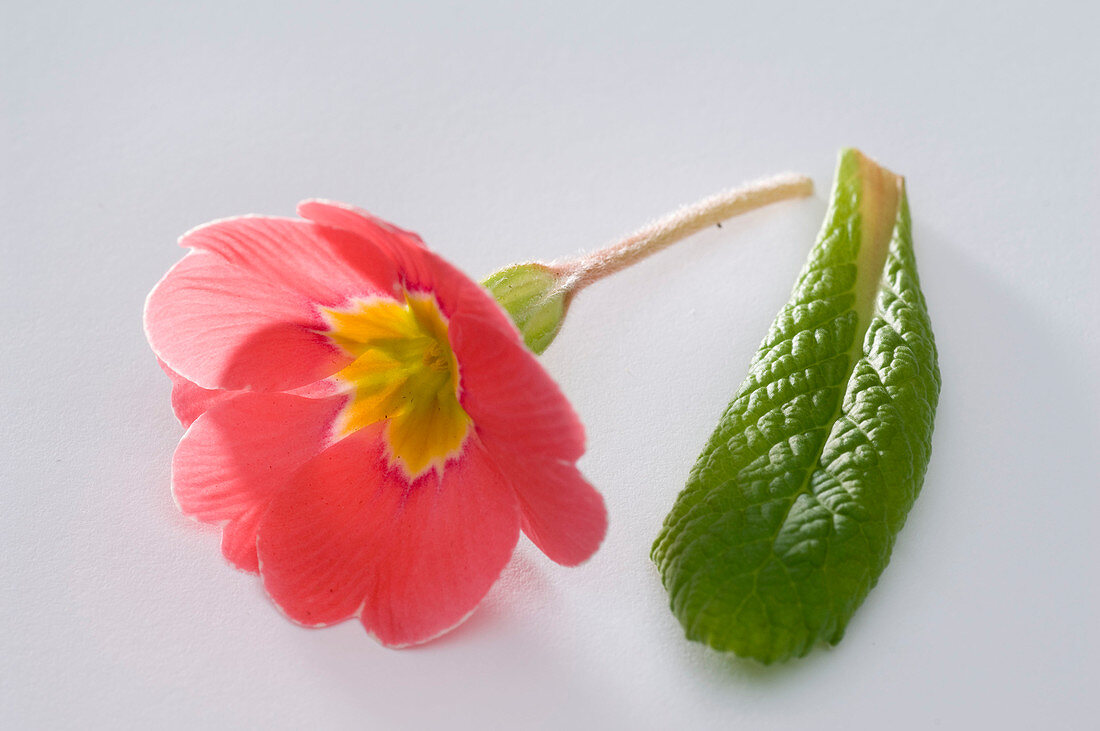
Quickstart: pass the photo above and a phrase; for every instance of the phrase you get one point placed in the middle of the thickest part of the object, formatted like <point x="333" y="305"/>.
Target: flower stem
<point x="536" y="295"/>
<point x="575" y="274"/>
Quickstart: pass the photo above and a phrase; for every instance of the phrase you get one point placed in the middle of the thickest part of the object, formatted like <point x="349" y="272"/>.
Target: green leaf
<point x="534" y="297"/>
<point x="789" y="515"/>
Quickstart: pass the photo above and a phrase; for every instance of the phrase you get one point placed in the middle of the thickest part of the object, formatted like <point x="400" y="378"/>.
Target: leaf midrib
<point x="868" y="259"/>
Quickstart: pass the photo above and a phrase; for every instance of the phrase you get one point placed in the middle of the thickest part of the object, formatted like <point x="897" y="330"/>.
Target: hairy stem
<point x="584" y="270"/>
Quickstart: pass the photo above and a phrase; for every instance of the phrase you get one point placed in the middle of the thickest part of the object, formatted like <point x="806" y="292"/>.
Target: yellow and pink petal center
<point x="404" y="375"/>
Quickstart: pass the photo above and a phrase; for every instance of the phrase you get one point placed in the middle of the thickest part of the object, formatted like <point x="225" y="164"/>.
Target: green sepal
<point x="532" y="295"/>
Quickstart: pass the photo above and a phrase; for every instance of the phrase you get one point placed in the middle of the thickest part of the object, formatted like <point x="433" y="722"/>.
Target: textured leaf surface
<point x="789" y="516"/>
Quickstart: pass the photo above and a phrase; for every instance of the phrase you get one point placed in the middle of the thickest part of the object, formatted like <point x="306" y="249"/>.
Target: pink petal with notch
<point x="323" y="265"/>
<point x="563" y="515"/>
<point x="417" y="268"/>
<point x="223" y="327"/>
<point x="351" y="536"/>
<point x="511" y="398"/>
<point x="189" y="400"/>
<point x="357" y="221"/>
<point x="237" y="456"/>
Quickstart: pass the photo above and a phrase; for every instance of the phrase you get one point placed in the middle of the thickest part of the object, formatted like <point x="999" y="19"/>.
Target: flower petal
<point x="562" y="513"/>
<point x="224" y="327"/>
<point x="417" y="268"/>
<point x="357" y="221"/>
<point x="239" y="454"/>
<point x="239" y="538"/>
<point x="324" y="265"/>
<point x="508" y="395"/>
<point x="351" y="536"/>
<point x="189" y="400"/>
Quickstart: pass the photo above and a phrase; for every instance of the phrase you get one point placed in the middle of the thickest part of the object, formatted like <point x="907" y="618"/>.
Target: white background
<point x="503" y="134"/>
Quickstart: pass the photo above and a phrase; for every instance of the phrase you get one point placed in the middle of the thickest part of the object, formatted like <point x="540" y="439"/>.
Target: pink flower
<point x="364" y="421"/>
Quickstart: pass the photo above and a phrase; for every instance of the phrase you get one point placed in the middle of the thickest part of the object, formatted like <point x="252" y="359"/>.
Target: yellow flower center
<point x="404" y="374"/>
